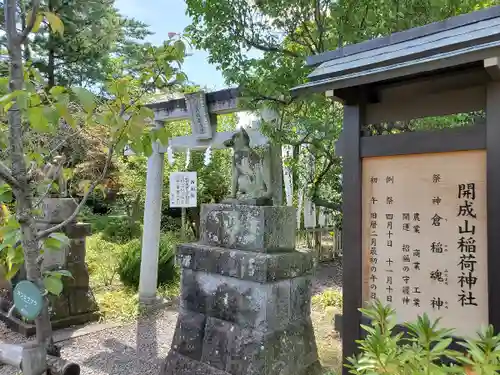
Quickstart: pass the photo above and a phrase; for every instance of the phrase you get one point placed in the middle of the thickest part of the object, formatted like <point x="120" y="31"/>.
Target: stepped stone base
<point x="244" y="312"/>
<point x="76" y="305"/>
<point x="177" y="364"/>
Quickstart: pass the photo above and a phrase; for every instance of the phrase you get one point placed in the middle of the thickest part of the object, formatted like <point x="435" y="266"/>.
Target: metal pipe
<point x="29" y="359"/>
<point x="11" y="355"/>
<point x="59" y="366"/>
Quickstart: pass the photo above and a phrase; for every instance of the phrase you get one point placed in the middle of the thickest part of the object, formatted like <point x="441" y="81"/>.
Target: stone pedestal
<point x="245" y="297"/>
<point x="76" y="304"/>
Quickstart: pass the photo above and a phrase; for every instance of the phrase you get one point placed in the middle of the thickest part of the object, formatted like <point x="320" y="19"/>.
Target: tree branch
<point x="319" y="25"/>
<point x="31" y="23"/>
<point x="323" y="203"/>
<point x="6" y="175"/>
<point x="44" y="233"/>
<point x="269" y="48"/>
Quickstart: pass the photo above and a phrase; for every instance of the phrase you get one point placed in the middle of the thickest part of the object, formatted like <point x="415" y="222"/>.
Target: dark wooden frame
<point x="354" y="146"/>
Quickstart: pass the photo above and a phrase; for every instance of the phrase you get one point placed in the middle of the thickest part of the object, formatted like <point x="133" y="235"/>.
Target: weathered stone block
<point x="217" y="343"/>
<point x="81" y="300"/>
<point x="189" y="334"/>
<point x="56" y="210"/>
<point x="289" y="351"/>
<point x="251" y="228"/>
<point x="76" y="250"/>
<point x="193" y="296"/>
<point x="54" y="259"/>
<point x="80" y="274"/>
<point x="177" y="364"/>
<point x="59" y="306"/>
<point x="300" y="302"/>
<point x="78" y="230"/>
<point x="249" y="353"/>
<point x="244" y="302"/>
<point x="72" y="230"/>
<point x="259" y="267"/>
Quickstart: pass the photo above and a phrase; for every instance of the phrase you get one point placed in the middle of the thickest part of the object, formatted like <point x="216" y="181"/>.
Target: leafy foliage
<point x="384" y="352"/>
<point x="102" y="258"/>
<point x="77" y="43"/>
<point x="35" y="106"/>
<point x="261" y="46"/>
<point x="130" y="261"/>
<point x="328" y="298"/>
<point x="116" y="229"/>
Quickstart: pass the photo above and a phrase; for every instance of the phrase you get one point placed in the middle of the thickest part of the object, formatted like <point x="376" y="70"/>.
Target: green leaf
<point x="180" y="47"/>
<point x="38" y="121"/>
<point x="38" y="21"/>
<point x="162" y="136"/>
<point x="61" y="237"/>
<point x="13" y="269"/>
<point x="6" y="197"/>
<point x="51" y="244"/>
<point x="57" y="90"/>
<point x="53" y="285"/>
<point x="55" y="23"/>
<point x="86" y="98"/>
<point x="147" y="145"/>
<point x="59" y="273"/>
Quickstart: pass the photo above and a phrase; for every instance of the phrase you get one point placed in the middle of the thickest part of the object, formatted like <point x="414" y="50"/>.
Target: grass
<point x="324" y="307"/>
<point x="116" y="302"/>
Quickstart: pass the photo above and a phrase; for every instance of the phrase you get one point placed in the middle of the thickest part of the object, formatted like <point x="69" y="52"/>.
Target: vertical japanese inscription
<point x="424" y="225"/>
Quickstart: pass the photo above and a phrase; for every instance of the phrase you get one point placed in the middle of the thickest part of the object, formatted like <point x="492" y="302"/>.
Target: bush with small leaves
<point x="383" y="352"/>
<point x="129" y="266"/>
<point x="117" y="229"/>
<point x="328" y="298"/>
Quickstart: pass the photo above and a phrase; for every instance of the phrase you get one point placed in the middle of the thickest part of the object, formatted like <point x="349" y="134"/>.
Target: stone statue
<point x="251" y="180"/>
<point x="54" y="172"/>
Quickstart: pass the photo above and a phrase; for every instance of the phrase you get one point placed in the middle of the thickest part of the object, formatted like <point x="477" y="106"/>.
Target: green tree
<point x="94" y="34"/>
<point x="32" y="108"/>
<point x="262" y="45"/>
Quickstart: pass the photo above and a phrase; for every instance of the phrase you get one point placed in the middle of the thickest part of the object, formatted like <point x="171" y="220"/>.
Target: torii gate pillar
<point x="152" y="221"/>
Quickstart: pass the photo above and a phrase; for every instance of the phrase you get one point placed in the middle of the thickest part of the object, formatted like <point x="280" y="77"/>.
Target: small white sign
<point x="183" y="189"/>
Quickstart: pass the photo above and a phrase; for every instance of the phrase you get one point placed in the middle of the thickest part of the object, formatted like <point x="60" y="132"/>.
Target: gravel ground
<point x="140" y="347"/>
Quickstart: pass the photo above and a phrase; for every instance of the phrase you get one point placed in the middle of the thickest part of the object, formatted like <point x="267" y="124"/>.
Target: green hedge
<point x="129" y="267"/>
<point x="118" y="229"/>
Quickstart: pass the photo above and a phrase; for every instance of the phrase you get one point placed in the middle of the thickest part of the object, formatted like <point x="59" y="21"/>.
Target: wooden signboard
<point x="424" y="237"/>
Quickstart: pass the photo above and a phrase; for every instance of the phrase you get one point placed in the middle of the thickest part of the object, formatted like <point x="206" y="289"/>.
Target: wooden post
<point x="183" y="224"/>
<point x="352" y="234"/>
<point x="493" y="199"/>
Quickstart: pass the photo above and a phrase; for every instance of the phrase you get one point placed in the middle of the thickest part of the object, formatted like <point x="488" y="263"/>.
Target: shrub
<point x="119" y="229"/>
<point x="328" y="298"/>
<point x="102" y="259"/>
<point x="422" y="351"/>
<point x="129" y="267"/>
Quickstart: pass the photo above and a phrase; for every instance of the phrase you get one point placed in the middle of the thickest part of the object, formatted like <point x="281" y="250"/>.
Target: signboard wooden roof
<point x="457" y="41"/>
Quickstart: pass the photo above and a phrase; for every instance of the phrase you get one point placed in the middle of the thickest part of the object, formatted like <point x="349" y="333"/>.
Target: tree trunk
<point x="51" y="66"/>
<point x="24" y="198"/>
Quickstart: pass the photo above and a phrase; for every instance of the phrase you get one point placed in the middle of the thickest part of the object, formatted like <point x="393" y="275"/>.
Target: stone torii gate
<point x="202" y="110"/>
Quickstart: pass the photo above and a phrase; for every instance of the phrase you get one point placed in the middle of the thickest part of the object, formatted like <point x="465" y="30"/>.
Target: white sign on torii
<point x="203" y="125"/>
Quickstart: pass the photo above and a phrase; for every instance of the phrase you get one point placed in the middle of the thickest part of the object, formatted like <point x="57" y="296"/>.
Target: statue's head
<point x="239" y="140"/>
